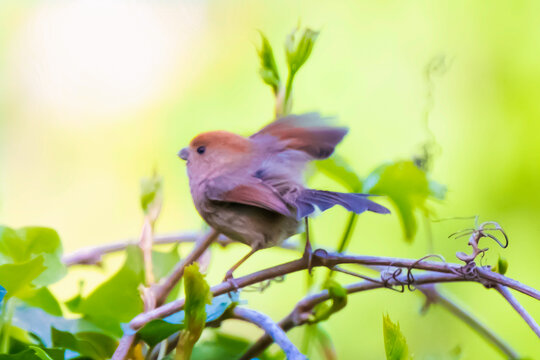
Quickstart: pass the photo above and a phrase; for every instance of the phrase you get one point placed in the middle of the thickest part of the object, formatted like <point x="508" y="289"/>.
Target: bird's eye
<point x="201" y="149"/>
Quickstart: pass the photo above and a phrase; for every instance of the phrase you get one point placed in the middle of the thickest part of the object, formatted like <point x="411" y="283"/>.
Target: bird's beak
<point x="183" y="154"/>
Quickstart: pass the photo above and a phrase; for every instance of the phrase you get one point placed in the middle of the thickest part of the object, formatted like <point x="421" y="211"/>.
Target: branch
<point x="93" y="255"/>
<point x="322" y="258"/>
<point x="145" y="244"/>
<point x="302" y="312"/>
<point x="125" y="344"/>
<point x="434" y="295"/>
<point x="519" y="308"/>
<point x="272" y="330"/>
<point x="277" y="271"/>
<point x="162" y="290"/>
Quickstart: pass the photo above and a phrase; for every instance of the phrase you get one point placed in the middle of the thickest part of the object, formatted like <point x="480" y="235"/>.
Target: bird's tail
<point x="309" y="200"/>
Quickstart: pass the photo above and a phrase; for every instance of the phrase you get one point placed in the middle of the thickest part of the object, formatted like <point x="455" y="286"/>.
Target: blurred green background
<point x="96" y="94"/>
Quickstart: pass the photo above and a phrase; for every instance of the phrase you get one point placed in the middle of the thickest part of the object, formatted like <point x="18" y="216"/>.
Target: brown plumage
<point x="251" y="189"/>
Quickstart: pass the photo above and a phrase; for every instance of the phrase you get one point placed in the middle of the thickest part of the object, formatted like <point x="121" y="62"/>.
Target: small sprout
<point x="152" y="196"/>
<point x="197" y="296"/>
<point x="502" y="265"/>
<point x="298" y="53"/>
<point x="269" y="71"/>
<point x="395" y="344"/>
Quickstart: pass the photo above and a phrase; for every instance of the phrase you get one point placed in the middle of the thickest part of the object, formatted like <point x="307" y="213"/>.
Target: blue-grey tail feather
<point x="309" y="200"/>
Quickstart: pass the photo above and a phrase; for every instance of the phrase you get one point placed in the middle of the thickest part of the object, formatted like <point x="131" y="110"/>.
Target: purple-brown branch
<point x="505" y="292"/>
<point x="322" y="258"/>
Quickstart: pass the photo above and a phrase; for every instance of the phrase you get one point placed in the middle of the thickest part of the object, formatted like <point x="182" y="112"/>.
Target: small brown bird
<point x="252" y="189"/>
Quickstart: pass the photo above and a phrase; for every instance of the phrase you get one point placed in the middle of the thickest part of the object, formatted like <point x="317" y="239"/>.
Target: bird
<point x="251" y="189"/>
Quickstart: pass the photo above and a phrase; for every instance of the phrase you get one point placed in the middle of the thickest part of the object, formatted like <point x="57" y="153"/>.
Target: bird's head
<point x="214" y="153"/>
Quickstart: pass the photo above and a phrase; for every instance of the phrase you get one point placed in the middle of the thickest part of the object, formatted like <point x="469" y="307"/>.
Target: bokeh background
<point x="95" y="95"/>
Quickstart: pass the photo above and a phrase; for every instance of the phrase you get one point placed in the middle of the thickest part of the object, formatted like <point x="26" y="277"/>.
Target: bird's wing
<point x="308" y="133"/>
<point x="251" y="191"/>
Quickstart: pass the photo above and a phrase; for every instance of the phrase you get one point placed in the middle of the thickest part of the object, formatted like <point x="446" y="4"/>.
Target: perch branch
<point x="322" y="258"/>
<point x="271" y="329"/>
<point x="504" y="291"/>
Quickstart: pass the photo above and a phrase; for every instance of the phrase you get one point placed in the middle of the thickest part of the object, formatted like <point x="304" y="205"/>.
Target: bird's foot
<point x="308" y="256"/>
<point x="230" y="279"/>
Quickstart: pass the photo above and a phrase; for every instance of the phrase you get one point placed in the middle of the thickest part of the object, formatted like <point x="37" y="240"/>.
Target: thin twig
<point x="123" y="348"/>
<point x="519" y="308"/>
<point x="162" y="290"/>
<point x="271" y="329"/>
<point x="146" y="243"/>
<point x="321" y="258"/>
<point x="93" y="255"/>
<point x="435" y="295"/>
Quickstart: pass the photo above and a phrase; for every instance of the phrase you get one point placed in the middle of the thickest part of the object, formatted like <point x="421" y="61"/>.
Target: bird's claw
<point x="308" y="255"/>
<point x="230" y="279"/>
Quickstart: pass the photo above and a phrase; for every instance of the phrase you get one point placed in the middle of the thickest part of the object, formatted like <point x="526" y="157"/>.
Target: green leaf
<point x="406" y="186"/>
<point x="117" y="300"/>
<point x="298" y="53"/>
<point x="269" y="71"/>
<point x="20" y="246"/>
<point x="502" y="265"/>
<point x="21" y="335"/>
<point x="18" y="278"/>
<point x="395" y="344"/>
<point x="158" y="330"/>
<point x="28" y="354"/>
<point x="338" y="298"/>
<point x="39" y="323"/>
<point x="41" y="353"/>
<point x="197" y="296"/>
<point x="163" y="263"/>
<point x="93" y="345"/>
<point x="337" y="168"/>
<point x="43" y="299"/>
<point x="74" y="303"/>
<point x="152" y="195"/>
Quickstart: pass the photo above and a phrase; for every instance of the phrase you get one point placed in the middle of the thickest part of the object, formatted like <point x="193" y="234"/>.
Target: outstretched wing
<point x="254" y="192"/>
<point x="309" y="133"/>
